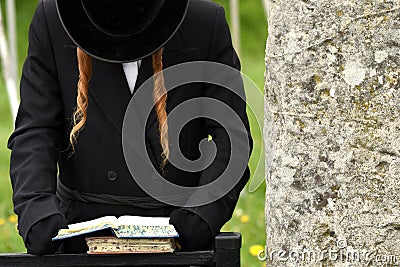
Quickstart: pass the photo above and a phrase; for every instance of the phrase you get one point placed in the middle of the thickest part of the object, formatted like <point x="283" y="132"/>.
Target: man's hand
<point x="194" y="233"/>
<point x="39" y="237"/>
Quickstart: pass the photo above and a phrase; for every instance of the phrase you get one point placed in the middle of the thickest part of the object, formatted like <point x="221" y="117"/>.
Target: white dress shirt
<point x="131" y="73"/>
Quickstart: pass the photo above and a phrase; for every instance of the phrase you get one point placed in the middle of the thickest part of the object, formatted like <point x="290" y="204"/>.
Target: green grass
<point x="249" y="214"/>
<point x="9" y="239"/>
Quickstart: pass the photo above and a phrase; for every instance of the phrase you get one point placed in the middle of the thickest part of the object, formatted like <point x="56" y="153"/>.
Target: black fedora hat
<point x="121" y="31"/>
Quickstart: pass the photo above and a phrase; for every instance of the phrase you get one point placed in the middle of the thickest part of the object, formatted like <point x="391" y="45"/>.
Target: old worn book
<point x="123" y="227"/>
<point x="113" y="245"/>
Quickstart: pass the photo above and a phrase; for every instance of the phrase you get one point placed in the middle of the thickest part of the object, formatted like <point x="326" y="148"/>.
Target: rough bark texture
<point x="332" y="129"/>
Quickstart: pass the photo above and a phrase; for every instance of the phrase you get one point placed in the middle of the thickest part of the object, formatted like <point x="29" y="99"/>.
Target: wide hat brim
<point x="120" y="49"/>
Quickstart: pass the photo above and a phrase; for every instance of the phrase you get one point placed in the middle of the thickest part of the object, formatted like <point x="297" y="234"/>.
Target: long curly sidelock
<point x="160" y="99"/>
<point x="82" y="100"/>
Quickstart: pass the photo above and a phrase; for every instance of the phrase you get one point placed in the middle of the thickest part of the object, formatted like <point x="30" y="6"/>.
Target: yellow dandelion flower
<point x="255" y="250"/>
<point x="13" y="218"/>
<point x="244" y="218"/>
<point x="2" y="221"/>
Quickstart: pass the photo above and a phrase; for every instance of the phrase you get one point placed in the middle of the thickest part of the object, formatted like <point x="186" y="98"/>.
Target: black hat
<point x="121" y="30"/>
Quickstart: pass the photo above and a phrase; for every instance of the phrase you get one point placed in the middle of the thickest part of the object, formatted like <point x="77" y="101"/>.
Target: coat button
<point x="112" y="176"/>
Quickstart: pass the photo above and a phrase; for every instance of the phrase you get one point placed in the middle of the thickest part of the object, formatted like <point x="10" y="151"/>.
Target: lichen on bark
<point x="332" y="127"/>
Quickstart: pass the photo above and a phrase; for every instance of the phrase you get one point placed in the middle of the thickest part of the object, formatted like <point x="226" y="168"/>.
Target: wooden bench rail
<point x="225" y="254"/>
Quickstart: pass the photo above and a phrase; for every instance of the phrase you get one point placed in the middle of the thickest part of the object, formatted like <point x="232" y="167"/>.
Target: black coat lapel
<point x="145" y="73"/>
<point x="170" y="58"/>
<point x="110" y="90"/>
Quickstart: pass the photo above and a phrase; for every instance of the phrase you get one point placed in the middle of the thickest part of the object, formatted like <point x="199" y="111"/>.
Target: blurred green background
<point x="249" y="214"/>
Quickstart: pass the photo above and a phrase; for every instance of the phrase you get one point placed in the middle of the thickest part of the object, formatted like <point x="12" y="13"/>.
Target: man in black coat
<point x="40" y="146"/>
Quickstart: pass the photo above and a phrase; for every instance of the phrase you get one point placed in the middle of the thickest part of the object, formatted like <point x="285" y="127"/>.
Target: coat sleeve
<point x="217" y="213"/>
<point x="35" y="141"/>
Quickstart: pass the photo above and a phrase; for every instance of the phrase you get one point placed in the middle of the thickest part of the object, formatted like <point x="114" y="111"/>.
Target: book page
<point x="86" y="227"/>
<point x="99" y="222"/>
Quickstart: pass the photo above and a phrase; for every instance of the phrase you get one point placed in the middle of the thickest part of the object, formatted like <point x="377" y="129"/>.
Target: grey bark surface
<point x="332" y="131"/>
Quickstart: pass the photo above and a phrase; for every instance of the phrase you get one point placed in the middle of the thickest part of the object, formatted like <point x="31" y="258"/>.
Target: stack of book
<point x="131" y="234"/>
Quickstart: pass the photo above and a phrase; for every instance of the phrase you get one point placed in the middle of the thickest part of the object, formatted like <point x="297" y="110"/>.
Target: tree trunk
<point x="332" y="132"/>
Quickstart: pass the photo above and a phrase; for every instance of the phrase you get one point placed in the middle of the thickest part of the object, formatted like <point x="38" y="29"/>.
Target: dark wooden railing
<point x="225" y="254"/>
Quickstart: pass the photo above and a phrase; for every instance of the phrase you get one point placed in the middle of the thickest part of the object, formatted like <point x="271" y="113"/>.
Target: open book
<point x="123" y="227"/>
